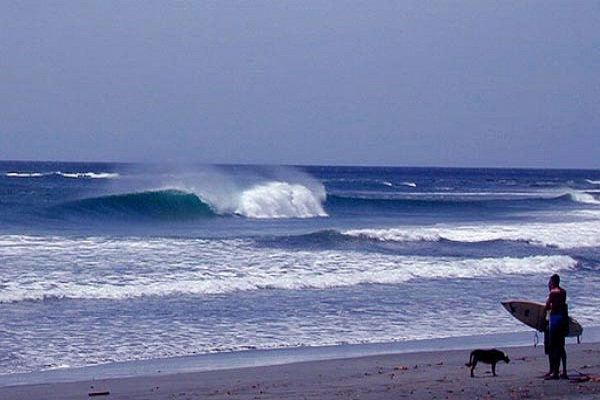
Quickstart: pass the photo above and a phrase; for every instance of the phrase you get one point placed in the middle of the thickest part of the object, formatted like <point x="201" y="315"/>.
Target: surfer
<point x="557" y="305"/>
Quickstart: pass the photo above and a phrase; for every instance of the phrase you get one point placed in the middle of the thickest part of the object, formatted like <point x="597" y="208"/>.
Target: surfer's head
<point x="555" y="280"/>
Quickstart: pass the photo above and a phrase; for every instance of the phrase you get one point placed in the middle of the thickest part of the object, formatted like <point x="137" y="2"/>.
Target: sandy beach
<point x="419" y="375"/>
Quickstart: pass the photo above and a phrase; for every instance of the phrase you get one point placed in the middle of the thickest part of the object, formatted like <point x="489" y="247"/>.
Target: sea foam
<point x="583" y="197"/>
<point x="25" y="174"/>
<point x="133" y="267"/>
<point x="89" y="175"/>
<point x="280" y="200"/>
<point x="72" y="175"/>
<point x="560" y="234"/>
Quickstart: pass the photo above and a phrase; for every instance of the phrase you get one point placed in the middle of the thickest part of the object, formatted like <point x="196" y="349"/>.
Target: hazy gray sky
<point x="415" y="83"/>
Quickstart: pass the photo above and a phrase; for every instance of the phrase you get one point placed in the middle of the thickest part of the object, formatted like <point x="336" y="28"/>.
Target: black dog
<point x="492" y="356"/>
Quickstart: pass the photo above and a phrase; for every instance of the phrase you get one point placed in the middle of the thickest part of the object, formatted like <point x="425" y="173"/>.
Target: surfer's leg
<point x="564" y="364"/>
<point x="563" y="357"/>
<point x="547" y="351"/>
<point x="555" y="342"/>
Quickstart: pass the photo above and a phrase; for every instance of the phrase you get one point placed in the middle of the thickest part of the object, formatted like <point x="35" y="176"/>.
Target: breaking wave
<point x="271" y="200"/>
<point x="165" y="204"/>
<point x="582" y="197"/>
<point x="276" y="200"/>
<point x="563" y="235"/>
<point x="136" y="268"/>
<point x="280" y="200"/>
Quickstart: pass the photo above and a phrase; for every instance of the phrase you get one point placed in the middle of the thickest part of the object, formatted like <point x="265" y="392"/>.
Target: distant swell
<point x="448" y="201"/>
<point x="165" y="204"/>
<point x="72" y="175"/>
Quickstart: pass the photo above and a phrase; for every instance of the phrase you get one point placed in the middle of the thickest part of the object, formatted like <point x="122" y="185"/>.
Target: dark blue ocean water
<point x="112" y="262"/>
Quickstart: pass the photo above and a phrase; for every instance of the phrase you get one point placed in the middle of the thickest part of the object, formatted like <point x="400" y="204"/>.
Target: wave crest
<point x="271" y="200"/>
<point x="164" y="204"/>
<point x="280" y="200"/>
<point x="563" y="235"/>
<point x="583" y="197"/>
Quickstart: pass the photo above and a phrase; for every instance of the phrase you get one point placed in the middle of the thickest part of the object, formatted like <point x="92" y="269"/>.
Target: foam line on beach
<point x="264" y="358"/>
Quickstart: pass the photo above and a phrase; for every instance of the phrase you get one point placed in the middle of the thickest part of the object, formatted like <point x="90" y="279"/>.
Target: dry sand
<point x="425" y="375"/>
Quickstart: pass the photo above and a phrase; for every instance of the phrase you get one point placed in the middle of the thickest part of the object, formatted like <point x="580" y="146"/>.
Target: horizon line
<point x="340" y="165"/>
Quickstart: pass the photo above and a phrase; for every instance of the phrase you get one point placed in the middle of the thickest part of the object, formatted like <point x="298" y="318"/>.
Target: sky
<point x="396" y="83"/>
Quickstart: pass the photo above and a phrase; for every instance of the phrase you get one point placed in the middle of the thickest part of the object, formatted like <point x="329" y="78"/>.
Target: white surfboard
<point x="534" y="315"/>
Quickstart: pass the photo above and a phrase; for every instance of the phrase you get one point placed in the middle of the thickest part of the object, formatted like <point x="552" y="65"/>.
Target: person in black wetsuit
<point x="557" y="327"/>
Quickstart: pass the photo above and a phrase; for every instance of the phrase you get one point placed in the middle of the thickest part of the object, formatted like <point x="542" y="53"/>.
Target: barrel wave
<point x="270" y="200"/>
<point x="162" y="205"/>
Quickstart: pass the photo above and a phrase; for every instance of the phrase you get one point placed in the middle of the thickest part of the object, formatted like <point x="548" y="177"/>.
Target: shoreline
<point x="263" y="358"/>
<point x="421" y="375"/>
<point x="225" y="361"/>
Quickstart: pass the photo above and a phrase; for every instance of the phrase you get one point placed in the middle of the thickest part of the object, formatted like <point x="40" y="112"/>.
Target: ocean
<point x="105" y="262"/>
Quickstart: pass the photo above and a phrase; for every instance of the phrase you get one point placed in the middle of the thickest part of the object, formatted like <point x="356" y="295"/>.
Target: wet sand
<point x="420" y="375"/>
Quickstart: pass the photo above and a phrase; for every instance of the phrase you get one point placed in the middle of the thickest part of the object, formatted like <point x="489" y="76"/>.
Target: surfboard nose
<point x="508" y="306"/>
